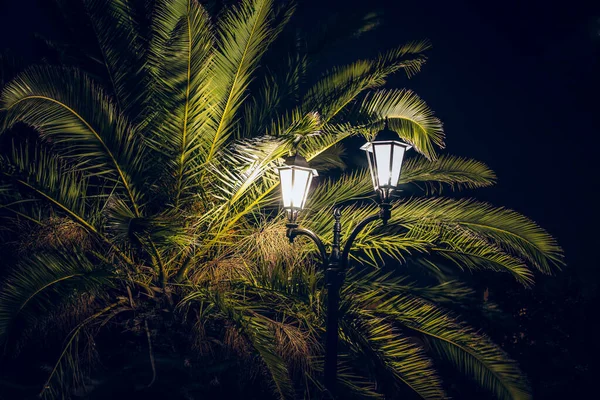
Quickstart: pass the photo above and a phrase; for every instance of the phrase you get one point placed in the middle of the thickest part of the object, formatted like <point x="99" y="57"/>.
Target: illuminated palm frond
<point x="39" y="173"/>
<point x="387" y="351"/>
<point x="409" y="115"/>
<point x="273" y="95"/>
<point x="244" y="34"/>
<point x="469" y="351"/>
<point x="341" y="86"/>
<point x="511" y="231"/>
<point x="179" y="57"/>
<point x="455" y="172"/>
<point x="72" y="112"/>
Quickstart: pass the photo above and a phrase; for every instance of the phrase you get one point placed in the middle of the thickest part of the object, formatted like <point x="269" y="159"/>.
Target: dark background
<point x="516" y="84"/>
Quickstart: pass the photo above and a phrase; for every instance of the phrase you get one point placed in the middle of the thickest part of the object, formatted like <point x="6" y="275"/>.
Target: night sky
<point x="516" y="84"/>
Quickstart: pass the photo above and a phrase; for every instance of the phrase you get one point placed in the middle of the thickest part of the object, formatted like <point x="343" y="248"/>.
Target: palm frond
<point x="244" y="34"/>
<point x="332" y="158"/>
<point x="389" y="282"/>
<point x="180" y="53"/>
<point x="37" y="174"/>
<point x="509" y="230"/>
<point x="350" y="186"/>
<point x="407" y="114"/>
<point x="295" y="123"/>
<point x="357" y="384"/>
<point x="466" y="250"/>
<point x="273" y="96"/>
<point x="40" y="282"/>
<point x="469" y="351"/>
<point x="69" y="110"/>
<point x="376" y="341"/>
<point x="257" y="329"/>
<point x="122" y="48"/>
<point x="68" y="358"/>
<point x="328" y="136"/>
<point x="36" y="171"/>
<point x="455" y="172"/>
<point x="262" y="339"/>
<point x="472" y="252"/>
<point x="341" y="86"/>
<point x="244" y="164"/>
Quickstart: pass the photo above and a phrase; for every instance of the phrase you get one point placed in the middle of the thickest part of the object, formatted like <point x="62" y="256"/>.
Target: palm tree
<point x="149" y="208"/>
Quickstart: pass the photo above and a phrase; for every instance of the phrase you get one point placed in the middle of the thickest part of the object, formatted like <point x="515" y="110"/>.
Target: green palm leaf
<point x="455" y="172"/>
<point x="67" y="108"/>
<point x="43" y="176"/>
<point x="244" y="34"/>
<point x="390" y="352"/>
<point x="268" y="102"/>
<point x="469" y="351"/>
<point x="342" y="85"/>
<point x="180" y="54"/>
<point x="469" y="251"/>
<point x="41" y="282"/>
<point x="409" y="116"/>
<point x="122" y="50"/>
<point x="38" y="172"/>
<point x="351" y="186"/>
<point x="507" y="229"/>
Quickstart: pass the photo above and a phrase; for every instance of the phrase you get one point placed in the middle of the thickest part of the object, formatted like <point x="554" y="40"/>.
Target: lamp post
<point x="385" y="155"/>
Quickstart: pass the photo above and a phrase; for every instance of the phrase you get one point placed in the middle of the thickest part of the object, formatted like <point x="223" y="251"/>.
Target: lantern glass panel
<point x="398" y="157"/>
<point x="302" y="180"/>
<point x="287" y="188"/>
<point x="383" y="158"/>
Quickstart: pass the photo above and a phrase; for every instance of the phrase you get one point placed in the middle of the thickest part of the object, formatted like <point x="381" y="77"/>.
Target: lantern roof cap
<point x="297" y="161"/>
<point x="384" y="137"/>
<point x="386" y="134"/>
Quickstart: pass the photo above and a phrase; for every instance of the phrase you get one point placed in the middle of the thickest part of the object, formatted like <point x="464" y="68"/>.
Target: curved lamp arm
<point x="384" y="215"/>
<point x="293" y="231"/>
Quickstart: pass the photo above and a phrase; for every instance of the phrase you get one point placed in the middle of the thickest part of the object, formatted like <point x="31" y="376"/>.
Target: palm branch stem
<point x="186" y="110"/>
<point x="20" y="214"/>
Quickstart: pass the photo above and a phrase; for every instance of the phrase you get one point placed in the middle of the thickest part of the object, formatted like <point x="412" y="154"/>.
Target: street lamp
<point x="385" y="155"/>
<point x="295" y="178"/>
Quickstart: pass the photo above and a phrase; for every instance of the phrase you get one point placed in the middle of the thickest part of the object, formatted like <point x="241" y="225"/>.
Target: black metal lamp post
<point x="385" y="155"/>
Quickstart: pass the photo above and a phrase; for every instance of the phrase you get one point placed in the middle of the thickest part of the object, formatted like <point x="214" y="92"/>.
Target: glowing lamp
<point x="295" y="177"/>
<point x="385" y="154"/>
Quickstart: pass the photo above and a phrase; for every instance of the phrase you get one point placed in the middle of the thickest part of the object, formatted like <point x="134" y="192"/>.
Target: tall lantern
<point x="385" y="154"/>
<point x="295" y="177"/>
